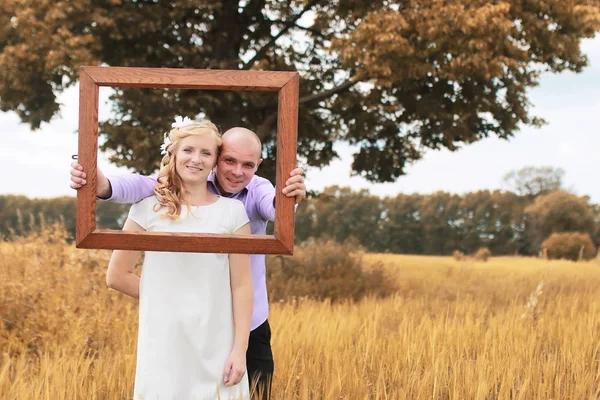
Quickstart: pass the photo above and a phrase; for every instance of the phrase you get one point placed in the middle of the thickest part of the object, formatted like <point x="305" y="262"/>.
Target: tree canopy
<point x="534" y="181"/>
<point x="560" y="211"/>
<point x="395" y="78"/>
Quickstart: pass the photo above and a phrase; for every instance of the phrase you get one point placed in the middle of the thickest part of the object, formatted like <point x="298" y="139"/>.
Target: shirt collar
<point x="212" y="178"/>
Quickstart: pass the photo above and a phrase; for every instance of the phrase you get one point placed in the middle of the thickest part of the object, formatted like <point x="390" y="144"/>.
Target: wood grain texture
<point x="180" y="78"/>
<point x="183" y="242"/>
<point x="287" y="138"/>
<point x="87" y="152"/>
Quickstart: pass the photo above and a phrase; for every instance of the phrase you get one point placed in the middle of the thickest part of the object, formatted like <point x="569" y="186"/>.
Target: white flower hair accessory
<point x="180" y="122"/>
<point x="163" y="147"/>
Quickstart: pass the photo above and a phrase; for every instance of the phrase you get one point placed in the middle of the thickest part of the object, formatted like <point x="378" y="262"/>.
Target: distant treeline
<point x="435" y="224"/>
<point x="19" y="214"/>
<point x="439" y="223"/>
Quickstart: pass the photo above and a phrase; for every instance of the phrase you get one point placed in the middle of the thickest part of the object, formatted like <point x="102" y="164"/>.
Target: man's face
<point x="237" y="164"/>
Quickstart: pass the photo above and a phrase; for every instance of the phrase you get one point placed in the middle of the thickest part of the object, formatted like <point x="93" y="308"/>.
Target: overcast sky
<point x="36" y="164"/>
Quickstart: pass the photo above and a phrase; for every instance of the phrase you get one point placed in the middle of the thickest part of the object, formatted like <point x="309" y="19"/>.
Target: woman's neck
<point x="197" y="195"/>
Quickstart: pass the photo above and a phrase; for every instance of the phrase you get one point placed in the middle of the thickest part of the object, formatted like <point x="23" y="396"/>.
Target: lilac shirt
<point x="258" y="198"/>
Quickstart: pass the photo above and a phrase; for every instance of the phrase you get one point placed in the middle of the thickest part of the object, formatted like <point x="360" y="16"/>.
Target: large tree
<point x="395" y="78"/>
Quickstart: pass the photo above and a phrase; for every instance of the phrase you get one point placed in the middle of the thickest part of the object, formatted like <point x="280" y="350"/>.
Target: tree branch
<point x="260" y="53"/>
<point x="304" y="28"/>
<point x="328" y="93"/>
<point x="263" y="130"/>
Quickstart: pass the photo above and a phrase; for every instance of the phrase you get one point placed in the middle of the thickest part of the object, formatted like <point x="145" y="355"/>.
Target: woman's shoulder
<point x="146" y="204"/>
<point x="233" y="207"/>
<point x="229" y="202"/>
<point x="148" y="201"/>
<point x="233" y="212"/>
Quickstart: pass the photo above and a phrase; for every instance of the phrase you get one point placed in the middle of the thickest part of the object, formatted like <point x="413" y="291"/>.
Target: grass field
<point x="454" y="330"/>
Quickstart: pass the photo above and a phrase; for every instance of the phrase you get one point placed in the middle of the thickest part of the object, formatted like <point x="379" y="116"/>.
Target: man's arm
<point x="264" y="193"/>
<point x="130" y="188"/>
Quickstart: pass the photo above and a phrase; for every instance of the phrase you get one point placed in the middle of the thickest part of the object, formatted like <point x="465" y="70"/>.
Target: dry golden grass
<point x="455" y="330"/>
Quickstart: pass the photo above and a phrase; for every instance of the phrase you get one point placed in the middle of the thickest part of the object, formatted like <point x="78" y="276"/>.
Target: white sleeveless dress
<point x="186" y="328"/>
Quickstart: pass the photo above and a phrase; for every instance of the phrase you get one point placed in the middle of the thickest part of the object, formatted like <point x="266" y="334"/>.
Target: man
<point x="235" y="178"/>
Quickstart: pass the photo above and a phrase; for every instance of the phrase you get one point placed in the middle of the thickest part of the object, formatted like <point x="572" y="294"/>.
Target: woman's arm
<point x="120" y="274"/>
<point x="241" y="293"/>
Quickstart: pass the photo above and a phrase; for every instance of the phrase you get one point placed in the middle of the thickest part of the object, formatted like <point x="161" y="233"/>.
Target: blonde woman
<point x="195" y="308"/>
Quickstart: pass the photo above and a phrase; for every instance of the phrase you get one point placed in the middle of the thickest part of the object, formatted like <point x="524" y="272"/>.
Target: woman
<point x="195" y="308"/>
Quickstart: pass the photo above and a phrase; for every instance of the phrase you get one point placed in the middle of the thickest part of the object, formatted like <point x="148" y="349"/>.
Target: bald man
<point x="234" y="177"/>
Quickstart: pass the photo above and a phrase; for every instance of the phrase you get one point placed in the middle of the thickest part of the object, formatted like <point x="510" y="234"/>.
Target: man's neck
<point x="221" y="191"/>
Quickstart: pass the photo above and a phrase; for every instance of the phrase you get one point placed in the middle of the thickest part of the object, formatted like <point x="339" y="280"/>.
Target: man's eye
<point x="229" y="161"/>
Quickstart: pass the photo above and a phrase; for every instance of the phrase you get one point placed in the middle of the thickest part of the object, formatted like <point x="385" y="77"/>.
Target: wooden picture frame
<point x="285" y="83"/>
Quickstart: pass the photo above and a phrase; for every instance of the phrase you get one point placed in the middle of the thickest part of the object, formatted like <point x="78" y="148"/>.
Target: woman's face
<point x="195" y="157"/>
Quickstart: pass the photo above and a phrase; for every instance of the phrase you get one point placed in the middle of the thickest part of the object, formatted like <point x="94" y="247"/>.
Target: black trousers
<point x="259" y="362"/>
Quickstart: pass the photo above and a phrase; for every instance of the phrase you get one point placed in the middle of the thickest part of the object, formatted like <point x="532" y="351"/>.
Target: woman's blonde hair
<point x="169" y="188"/>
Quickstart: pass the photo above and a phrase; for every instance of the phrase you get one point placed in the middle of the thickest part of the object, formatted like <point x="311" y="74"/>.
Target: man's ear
<point x="258" y="163"/>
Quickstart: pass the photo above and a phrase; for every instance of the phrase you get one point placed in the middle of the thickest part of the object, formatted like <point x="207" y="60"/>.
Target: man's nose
<point x="237" y="169"/>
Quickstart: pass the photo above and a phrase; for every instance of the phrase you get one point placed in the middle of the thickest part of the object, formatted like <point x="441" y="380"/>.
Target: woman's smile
<point x="194" y="169"/>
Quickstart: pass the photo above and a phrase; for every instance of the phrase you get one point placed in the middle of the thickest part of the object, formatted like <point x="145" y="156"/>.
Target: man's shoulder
<point x="259" y="182"/>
